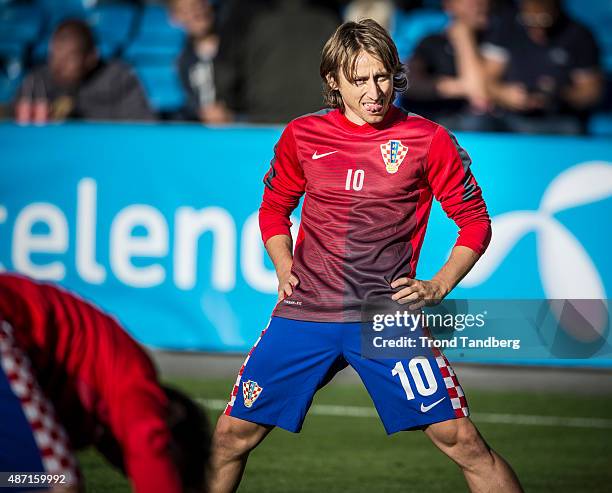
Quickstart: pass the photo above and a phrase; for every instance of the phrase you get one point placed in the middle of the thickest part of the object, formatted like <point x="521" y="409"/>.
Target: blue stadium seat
<point x="54" y="6"/>
<point x="155" y="22"/>
<point x="11" y="69"/>
<point x="597" y="12"/>
<point x="607" y="61"/>
<point x="11" y="74"/>
<point x="39" y="53"/>
<point x="153" y="51"/>
<point x="597" y="15"/>
<point x="162" y="85"/>
<point x="20" y="23"/>
<point x="601" y="125"/>
<point x="112" y="23"/>
<point x="408" y="28"/>
<point x="157" y="40"/>
<point x="8" y="88"/>
<point x="604" y="39"/>
<point x="12" y="50"/>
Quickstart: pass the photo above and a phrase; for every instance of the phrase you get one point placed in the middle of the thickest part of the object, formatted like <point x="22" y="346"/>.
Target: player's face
<point x="367" y="98"/>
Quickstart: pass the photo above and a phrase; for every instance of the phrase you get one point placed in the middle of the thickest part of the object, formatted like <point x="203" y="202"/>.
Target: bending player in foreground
<point x="369" y="172"/>
<point x="71" y="377"/>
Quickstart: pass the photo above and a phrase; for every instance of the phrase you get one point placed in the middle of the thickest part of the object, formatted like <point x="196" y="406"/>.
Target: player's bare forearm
<point x="280" y="249"/>
<point x="420" y="293"/>
<point x="460" y="262"/>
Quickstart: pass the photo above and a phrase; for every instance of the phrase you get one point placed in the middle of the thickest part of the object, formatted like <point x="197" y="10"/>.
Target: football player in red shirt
<point x="71" y="377"/>
<point x="368" y="172"/>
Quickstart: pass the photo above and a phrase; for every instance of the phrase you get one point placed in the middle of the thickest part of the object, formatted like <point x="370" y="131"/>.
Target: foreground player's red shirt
<point x="96" y="375"/>
<point x="368" y="193"/>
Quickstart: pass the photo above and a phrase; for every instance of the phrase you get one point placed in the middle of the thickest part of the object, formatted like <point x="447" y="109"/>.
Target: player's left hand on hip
<point x="418" y="293"/>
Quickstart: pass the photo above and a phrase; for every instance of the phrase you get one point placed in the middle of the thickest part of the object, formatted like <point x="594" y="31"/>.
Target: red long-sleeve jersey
<point x="367" y="196"/>
<point x="96" y="375"/>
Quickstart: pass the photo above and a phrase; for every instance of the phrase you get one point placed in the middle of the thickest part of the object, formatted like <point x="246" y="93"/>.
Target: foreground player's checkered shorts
<point x="28" y="418"/>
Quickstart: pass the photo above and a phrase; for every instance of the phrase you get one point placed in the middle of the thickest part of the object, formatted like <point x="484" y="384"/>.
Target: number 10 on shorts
<point x="424" y="388"/>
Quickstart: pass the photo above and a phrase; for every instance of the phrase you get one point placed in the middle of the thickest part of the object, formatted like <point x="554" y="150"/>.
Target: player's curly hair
<point x="341" y="50"/>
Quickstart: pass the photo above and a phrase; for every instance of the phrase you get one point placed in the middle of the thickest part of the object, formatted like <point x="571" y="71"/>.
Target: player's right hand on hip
<point x="286" y="285"/>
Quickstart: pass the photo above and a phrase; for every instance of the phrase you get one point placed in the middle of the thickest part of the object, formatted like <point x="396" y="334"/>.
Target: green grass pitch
<point x="353" y="454"/>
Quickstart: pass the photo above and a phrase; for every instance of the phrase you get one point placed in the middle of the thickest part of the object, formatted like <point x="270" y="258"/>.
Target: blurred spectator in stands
<point x="543" y="71"/>
<point x="446" y="75"/>
<point x="266" y="73"/>
<point x="75" y="83"/>
<point x="379" y="10"/>
<point x="196" y="62"/>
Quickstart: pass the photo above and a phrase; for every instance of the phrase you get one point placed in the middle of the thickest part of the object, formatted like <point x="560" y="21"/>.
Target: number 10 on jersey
<point x="354" y="181"/>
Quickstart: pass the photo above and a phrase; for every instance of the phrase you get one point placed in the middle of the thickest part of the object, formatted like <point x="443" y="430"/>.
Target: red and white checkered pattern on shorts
<point x="236" y="389"/>
<point x="455" y="392"/>
<point x="48" y="433"/>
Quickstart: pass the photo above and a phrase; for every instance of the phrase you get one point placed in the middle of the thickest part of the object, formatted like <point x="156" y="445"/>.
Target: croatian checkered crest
<point x="566" y="269"/>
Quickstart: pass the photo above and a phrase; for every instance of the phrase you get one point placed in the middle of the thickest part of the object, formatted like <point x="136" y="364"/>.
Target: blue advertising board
<point x="158" y="223"/>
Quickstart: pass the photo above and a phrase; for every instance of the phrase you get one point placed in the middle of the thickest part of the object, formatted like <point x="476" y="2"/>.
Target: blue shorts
<point x="31" y="438"/>
<point x="293" y="359"/>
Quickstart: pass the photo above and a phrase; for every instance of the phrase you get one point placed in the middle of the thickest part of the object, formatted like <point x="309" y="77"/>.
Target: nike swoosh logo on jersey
<point x="319" y="156"/>
<point x="425" y="408"/>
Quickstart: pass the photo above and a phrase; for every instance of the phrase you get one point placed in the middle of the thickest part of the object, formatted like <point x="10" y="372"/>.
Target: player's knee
<point x="234" y="438"/>
<point x="460" y="440"/>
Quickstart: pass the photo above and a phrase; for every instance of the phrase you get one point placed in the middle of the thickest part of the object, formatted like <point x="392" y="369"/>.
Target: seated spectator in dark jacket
<point x="196" y="61"/>
<point x="543" y="70"/>
<point x="75" y="83"/>
<point x="446" y="76"/>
